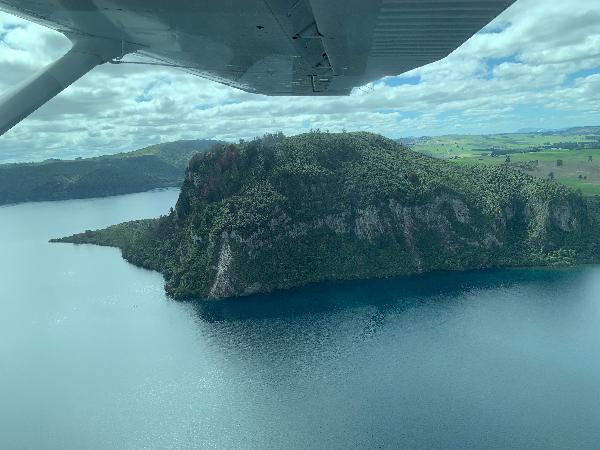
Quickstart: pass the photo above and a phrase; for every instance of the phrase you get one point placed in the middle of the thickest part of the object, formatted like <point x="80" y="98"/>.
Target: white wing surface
<point x="272" y="47"/>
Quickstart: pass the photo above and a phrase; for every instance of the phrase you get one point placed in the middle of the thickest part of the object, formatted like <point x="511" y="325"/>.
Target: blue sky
<point x="536" y="66"/>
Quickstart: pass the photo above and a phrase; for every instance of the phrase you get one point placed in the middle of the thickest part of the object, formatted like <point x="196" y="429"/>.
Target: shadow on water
<point x="333" y="321"/>
<point x="395" y="294"/>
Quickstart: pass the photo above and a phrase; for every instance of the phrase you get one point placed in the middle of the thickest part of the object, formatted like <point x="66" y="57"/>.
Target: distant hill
<point x="573" y="131"/>
<point x="561" y="131"/>
<point x="157" y="166"/>
<point x="591" y="130"/>
<point x="265" y="215"/>
<point x="534" y="130"/>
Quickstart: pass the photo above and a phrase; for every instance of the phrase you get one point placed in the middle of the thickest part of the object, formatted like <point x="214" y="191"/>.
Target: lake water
<point x="93" y="355"/>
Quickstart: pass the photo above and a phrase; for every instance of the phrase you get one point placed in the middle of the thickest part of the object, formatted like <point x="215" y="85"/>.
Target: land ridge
<point x="156" y="166"/>
<point x="280" y="212"/>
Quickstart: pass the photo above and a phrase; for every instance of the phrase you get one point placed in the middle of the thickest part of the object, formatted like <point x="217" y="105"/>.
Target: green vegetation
<point x="534" y="153"/>
<point x="281" y="212"/>
<point x="158" y="166"/>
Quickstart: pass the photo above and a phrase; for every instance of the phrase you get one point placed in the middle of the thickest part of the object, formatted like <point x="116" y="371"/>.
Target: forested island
<point x="157" y="166"/>
<point x="281" y="212"/>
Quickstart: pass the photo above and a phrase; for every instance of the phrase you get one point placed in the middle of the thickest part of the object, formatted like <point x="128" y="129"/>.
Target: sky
<point x="537" y="65"/>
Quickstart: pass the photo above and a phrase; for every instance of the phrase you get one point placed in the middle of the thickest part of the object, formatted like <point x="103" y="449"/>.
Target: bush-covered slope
<point x="277" y="213"/>
<point x="161" y="165"/>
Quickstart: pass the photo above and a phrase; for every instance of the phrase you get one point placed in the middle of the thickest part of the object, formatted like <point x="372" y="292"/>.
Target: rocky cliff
<point x="281" y="212"/>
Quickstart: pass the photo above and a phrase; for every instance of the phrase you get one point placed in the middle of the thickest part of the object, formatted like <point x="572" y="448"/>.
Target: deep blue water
<point x="93" y="355"/>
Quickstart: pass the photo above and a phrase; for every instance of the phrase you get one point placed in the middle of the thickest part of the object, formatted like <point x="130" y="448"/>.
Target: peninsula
<point x="281" y="212"/>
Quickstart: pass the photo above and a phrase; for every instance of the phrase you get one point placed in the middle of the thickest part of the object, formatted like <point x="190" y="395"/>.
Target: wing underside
<point x="328" y="47"/>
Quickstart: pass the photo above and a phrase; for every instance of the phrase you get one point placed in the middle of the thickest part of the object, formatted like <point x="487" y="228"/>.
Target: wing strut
<point x="29" y="95"/>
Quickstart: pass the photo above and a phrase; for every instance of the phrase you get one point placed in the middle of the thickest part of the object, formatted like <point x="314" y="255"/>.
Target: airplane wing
<point x="272" y="47"/>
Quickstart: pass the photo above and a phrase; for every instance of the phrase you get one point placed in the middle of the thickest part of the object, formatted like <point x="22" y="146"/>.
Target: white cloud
<point x="536" y="63"/>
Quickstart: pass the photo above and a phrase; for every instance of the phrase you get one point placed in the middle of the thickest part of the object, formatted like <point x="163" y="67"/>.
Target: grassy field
<point x="536" y="153"/>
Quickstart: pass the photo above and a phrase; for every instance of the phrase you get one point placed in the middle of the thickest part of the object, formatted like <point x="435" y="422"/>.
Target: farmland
<point x="570" y="156"/>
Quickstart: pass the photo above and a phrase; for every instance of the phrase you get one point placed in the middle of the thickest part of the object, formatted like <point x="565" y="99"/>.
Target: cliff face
<point x="278" y="213"/>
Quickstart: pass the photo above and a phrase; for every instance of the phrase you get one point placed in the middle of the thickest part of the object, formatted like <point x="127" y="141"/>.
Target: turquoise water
<point x="93" y="355"/>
